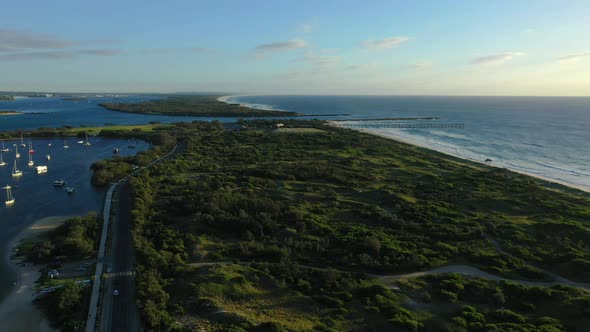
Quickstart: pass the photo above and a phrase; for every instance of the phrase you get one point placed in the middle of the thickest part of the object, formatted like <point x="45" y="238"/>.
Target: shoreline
<point x="17" y="311"/>
<point x="418" y="144"/>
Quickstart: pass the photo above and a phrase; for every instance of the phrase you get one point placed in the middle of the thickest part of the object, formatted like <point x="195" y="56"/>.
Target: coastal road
<point x="120" y="313"/>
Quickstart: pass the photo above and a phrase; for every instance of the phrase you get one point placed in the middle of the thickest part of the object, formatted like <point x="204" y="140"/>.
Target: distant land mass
<point x="4" y="97"/>
<point x="193" y="105"/>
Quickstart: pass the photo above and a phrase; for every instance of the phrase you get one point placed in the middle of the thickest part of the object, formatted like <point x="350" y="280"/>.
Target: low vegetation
<point x="192" y="105"/>
<point x="6" y="97"/>
<point x="305" y="215"/>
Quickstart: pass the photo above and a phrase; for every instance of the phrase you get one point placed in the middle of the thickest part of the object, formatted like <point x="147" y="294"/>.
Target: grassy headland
<point x="192" y="106"/>
<point x="6" y="97"/>
<point x="307" y="213"/>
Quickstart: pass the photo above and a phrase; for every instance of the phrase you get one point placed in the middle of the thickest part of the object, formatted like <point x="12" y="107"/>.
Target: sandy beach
<point x="391" y="136"/>
<point x="17" y="312"/>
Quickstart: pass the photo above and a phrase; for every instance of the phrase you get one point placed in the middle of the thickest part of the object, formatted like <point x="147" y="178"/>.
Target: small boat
<point x="58" y="183"/>
<point x="488" y="160"/>
<point x="48" y="157"/>
<point x="31" y="162"/>
<point x="31" y="150"/>
<point x="70" y="190"/>
<point x="17" y="155"/>
<point x="49" y="144"/>
<point x="116" y="150"/>
<point x="87" y="143"/>
<point x="66" y="144"/>
<point x="80" y="142"/>
<point x="4" y="149"/>
<point x="9" y="198"/>
<point x="22" y="141"/>
<point x="41" y="169"/>
<point x="15" y="171"/>
<point x="2" y="162"/>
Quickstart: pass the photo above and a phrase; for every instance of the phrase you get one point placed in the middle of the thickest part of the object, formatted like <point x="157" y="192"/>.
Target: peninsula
<point x="338" y="230"/>
<point x="193" y="105"/>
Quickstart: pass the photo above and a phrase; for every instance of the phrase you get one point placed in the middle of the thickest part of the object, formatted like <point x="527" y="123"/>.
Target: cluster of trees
<point x="62" y="307"/>
<point x="76" y="238"/>
<point x="480" y="305"/>
<point x="346" y="200"/>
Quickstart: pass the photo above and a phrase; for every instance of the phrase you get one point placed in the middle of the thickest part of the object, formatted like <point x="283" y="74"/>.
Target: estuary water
<point x="35" y="195"/>
<point x="544" y="136"/>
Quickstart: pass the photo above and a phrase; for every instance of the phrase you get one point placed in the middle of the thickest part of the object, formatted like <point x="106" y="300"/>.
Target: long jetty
<point x="401" y="125"/>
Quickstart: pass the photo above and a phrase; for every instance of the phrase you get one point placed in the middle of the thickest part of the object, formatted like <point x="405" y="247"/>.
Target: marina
<point x="39" y="191"/>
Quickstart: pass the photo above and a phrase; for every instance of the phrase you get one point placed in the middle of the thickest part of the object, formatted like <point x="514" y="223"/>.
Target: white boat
<point x="80" y="142"/>
<point x="48" y="157"/>
<point x="70" y="190"/>
<point x="41" y="169"/>
<point x="49" y="144"/>
<point x="4" y="149"/>
<point x="66" y="144"/>
<point x="9" y="198"/>
<point x="22" y="141"/>
<point x="87" y="143"/>
<point x="17" y="155"/>
<point x="2" y="162"/>
<point x="58" y="183"/>
<point x="15" y="171"/>
<point x="31" y="162"/>
<point x="31" y="150"/>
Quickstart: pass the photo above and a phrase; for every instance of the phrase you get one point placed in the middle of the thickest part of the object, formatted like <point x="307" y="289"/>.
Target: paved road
<point x="473" y="271"/>
<point x="120" y="313"/>
<point x="99" y="265"/>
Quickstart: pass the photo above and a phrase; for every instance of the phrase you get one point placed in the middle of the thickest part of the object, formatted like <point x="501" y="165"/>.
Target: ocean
<point x="548" y="137"/>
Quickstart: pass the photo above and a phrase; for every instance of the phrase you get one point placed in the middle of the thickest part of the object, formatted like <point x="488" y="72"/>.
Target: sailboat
<point x="31" y="162"/>
<point x="31" y="150"/>
<point x="9" y="198"/>
<point x="4" y="149"/>
<point x="22" y="141"/>
<point x="17" y="155"/>
<point x="87" y="143"/>
<point x="2" y="162"/>
<point x="15" y="171"/>
<point x="66" y="144"/>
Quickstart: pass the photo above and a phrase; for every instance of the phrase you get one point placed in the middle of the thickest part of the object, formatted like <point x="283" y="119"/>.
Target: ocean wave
<point x="233" y="99"/>
<point x="446" y="134"/>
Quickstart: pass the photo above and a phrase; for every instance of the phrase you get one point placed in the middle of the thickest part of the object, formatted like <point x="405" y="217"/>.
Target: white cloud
<point x="360" y="66"/>
<point x="495" y="59"/>
<point x="320" y="60"/>
<point x="282" y="46"/>
<point x="20" y="40"/>
<point x="384" y="43"/>
<point x="307" y="28"/>
<point x="422" y="64"/>
<point x="528" y="30"/>
<point x="573" y="58"/>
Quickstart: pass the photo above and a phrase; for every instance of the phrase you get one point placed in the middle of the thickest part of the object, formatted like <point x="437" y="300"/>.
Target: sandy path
<point x="17" y="312"/>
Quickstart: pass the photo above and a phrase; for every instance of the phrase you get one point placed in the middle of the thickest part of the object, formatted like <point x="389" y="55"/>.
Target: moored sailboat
<point x="4" y="149"/>
<point x="2" y="162"/>
<point x="9" y="198"/>
<point x="15" y="171"/>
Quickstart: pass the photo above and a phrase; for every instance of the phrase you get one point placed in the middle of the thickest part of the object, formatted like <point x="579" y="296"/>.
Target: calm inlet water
<point x="546" y="136"/>
<point x="35" y="195"/>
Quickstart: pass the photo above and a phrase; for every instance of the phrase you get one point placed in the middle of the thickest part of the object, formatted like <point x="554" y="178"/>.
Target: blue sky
<point x="535" y="47"/>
